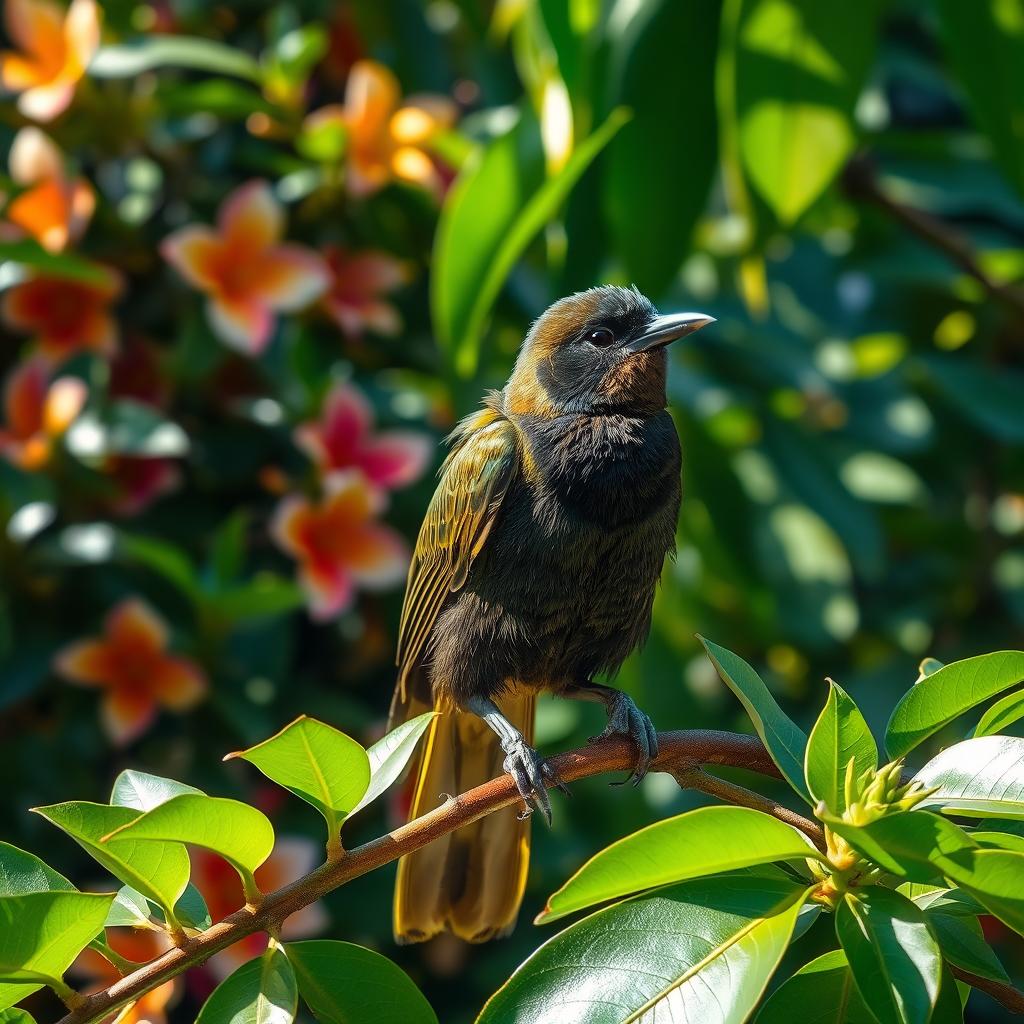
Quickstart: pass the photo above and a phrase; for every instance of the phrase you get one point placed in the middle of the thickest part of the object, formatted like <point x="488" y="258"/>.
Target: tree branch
<point x="678" y="752"/>
<point x="1007" y="996"/>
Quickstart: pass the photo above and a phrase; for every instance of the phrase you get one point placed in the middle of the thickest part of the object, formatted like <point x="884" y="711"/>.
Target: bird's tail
<point x="469" y="882"/>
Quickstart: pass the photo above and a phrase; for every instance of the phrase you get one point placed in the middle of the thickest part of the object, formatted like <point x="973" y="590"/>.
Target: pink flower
<point x="358" y="280"/>
<point x="339" y="544"/>
<point x="140" y="481"/>
<point x="245" y="269"/>
<point x="344" y="438"/>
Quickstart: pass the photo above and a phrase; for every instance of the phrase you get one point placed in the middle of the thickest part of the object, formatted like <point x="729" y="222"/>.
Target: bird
<point x="535" y="570"/>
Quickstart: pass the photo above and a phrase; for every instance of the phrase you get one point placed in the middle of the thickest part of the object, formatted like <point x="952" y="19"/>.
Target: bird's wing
<point x="474" y="479"/>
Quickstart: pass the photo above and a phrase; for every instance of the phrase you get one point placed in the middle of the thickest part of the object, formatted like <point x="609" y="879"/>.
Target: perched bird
<point x="535" y="569"/>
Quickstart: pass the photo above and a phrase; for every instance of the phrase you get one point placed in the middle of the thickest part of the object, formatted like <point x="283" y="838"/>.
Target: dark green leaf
<point x="163" y="558"/>
<point x="30" y="253"/>
<point x="1001" y="715"/>
<point x="262" y="991"/>
<point x="264" y="596"/>
<point x="821" y="992"/>
<point x="964" y="945"/>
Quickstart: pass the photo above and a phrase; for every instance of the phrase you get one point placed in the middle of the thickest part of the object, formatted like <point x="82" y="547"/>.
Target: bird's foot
<point x="626" y="719"/>
<point x="532" y="776"/>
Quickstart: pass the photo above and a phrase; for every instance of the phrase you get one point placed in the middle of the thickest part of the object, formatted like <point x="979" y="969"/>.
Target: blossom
<point x="131" y="664"/>
<point x="358" y="280"/>
<point x="245" y="269"/>
<point x="66" y="316"/>
<point x="56" y="48"/>
<point x="37" y="412"/>
<point x="139" y="480"/>
<point x="387" y="140"/>
<point x="343" y="438"/>
<point x="339" y="544"/>
<point x="52" y="208"/>
<point x="291" y="858"/>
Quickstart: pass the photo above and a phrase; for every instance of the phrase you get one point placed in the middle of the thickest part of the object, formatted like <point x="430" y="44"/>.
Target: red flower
<point x="131" y="664"/>
<point x="245" y="269"/>
<point x="140" y="481"/>
<point x="339" y="544"/>
<point x="343" y="438"/>
<point x="358" y="280"/>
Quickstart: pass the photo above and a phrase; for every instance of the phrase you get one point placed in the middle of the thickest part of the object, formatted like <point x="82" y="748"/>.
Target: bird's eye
<point x="601" y="337"/>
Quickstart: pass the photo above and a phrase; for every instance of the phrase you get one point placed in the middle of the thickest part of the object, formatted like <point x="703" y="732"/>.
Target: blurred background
<point x="256" y="258"/>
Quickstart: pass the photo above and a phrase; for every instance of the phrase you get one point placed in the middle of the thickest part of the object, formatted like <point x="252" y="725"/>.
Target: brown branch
<point x="861" y="183"/>
<point x="678" y="752"/>
<point x="1007" y="996"/>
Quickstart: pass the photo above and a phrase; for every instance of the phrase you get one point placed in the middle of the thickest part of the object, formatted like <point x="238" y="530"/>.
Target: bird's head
<point x="602" y="350"/>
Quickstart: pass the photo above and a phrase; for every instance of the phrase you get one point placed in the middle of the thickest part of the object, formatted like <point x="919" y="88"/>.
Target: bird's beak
<point x="664" y="329"/>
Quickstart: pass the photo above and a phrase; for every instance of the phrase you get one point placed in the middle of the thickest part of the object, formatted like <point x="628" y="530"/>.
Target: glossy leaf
<point x="964" y="944"/>
<point x="262" y="991"/>
<point x="982" y="777"/>
<point x="318" y="764"/>
<point x="160" y="872"/>
<point x="343" y="983"/>
<point x="160" y="51"/>
<point x="705" y="841"/>
<point x="839" y="736"/>
<point x="702" y="950"/>
<point x="784" y="740"/>
<point x="22" y="872"/>
<point x="130" y="909"/>
<point x="144" y="791"/>
<point x="993" y="878"/>
<point x="390" y="754"/>
<point x="948" y="693"/>
<point x="895" y="960"/>
<point x="822" y="991"/>
<point x="1001" y="715"/>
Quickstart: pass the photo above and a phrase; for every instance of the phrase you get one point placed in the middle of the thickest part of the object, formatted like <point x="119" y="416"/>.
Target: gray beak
<point x="664" y="329"/>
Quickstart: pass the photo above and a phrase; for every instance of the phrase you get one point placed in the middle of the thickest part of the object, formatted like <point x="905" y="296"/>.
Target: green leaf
<point x="988" y="397"/>
<point x="144" y="791"/>
<point x="22" y="872"/>
<point x="826" y="984"/>
<point x="191" y="910"/>
<point x="964" y="944"/>
<point x="993" y="878"/>
<point x="702" y="950"/>
<point x="125" y="427"/>
<point x="800" y="66"/>
<point x="262" y="991"/>
<point x="30" y="253"/>
<point x="953" y="689"/>
<point x="985" y="43"/>
<point x="652" y="205"/>
<point x="218" y="96"/>
<point x="982" y="778"/>
<point x="839" y="736"/>
<point x="940" y="899"/>
<point x="41" y="933"/>
<point x="1001" y="715"/>
<point x="346" y="984"/>
<point x="390" y="754"/>
<point x="784" y="740"/>
<point x="15" y="1015"/>
<point x="165" y="559"/>
<point x="128" y="60"/>
<point x="130" y="909"/>
<point x="498" y="203"/>
<point x="262" y="597"/>
<point x="706" y="841"/>
<point x="318" y="764"/>
<point x="240" y="834"/>
<point x="895" y="960"/>
<point x="159" y="872"/>
<point x="227" y="549"/>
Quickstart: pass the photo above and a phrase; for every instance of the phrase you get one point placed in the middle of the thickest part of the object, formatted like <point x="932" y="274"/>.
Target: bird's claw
<point x="532" y="776"/>
<point x="626" y="719"/>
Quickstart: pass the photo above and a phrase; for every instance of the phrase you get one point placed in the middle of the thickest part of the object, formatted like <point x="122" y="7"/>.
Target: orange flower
<point x="339" y="544"/>
<point x="243" y="267"/>
<point x="56" y="47"/>
<point x="130" y="662"/>
<point x="358" y="280"/>
<point x="37" y="412"/>
<point x="386" y="140"/>
<point x="65" y="316"/>
<point x="52" y="209"/>
<point x="292" y="858"/>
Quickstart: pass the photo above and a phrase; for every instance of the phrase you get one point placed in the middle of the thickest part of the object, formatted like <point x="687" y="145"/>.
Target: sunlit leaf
<point x="130" y="909"/>
<point x="964" y="944"/>
<point x="127" y="60"/>
<point x="825" y="984"/>
<point x="982" y="777"/>
<point x="839" y="736"/>
<point x="993" y="878"/>
<point x="390" y="754"/>
<point x="22" y="872"/>
<point x="1001" y="715"/>
<point x="143" y="791"/>
<point x="262" y="991"/>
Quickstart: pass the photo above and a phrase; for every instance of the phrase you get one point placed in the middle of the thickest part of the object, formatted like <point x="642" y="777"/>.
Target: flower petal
<point x="34" y="157"/>
<point x="347" y="418"/>
<point x="45" y="102"/>
<point x="64" y="401"/>
<point x="350" y="500"/>
<point x="179" y="684"/>
<point x="251" y="217"/>
<point x="371" y="94"/>
<point x="378" y="557"/>
<point x="290" y="277"/>
<point x="396" y="459"/>
<point x="195" y="252"/>
<point x="330" y="590"/>
<point x="382" y="318"/>
<point x="126" y="713"/>
<point x="37" y="26"/>
<point x="25" y="397"/>
<point x="134" y="627"/>
<point x="421" y="118"/>
<point x="81" y="36"/>
<point x="86" y="662"/>
<point x="244" y="325"/>
<point x="44" y="212"/>
<point x="18" y="73"/>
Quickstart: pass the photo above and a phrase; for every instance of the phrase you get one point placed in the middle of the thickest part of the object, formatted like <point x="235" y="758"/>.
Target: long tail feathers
<point x="469" y="882"/>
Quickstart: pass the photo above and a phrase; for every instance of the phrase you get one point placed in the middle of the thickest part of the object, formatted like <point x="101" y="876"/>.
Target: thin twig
<point x="1007" y="996"/>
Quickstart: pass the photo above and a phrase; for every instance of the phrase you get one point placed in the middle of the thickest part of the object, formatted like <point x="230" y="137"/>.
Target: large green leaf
<point x="652" y="204"/>
<point x="262" y="991"/>
<point x="784" y="740"/>
<point x="41" y="933"/>
<point x="130" y="59"/>
<point x="1001" y="715"/>
<point x="22" y="872"/>
<point x="964" y="944"/>
<point x="895" y="960"/>
<point x="985" y="43"/>
<point x="821" y="991"/>
<point x="499" y="202"/>
<point x="706" y="841"/>
<point x="160" y="872"/>
<point x="987" y="396"/>
<point x="800" y="66"/>
<point x="347" y="984"/>
<point x="993" y="878"/>
<point x="942" y="696"/>
<point x="318" y="764"/>
<point x="144" y="791"/>
<point x="702" y="950"/>
<point x="982" y="777"/>
<point x="839" y="736"/>
<point x="390" y="754"/>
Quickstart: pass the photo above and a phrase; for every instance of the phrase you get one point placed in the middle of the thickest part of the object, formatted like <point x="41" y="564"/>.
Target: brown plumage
<point x="535" y="569"/>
